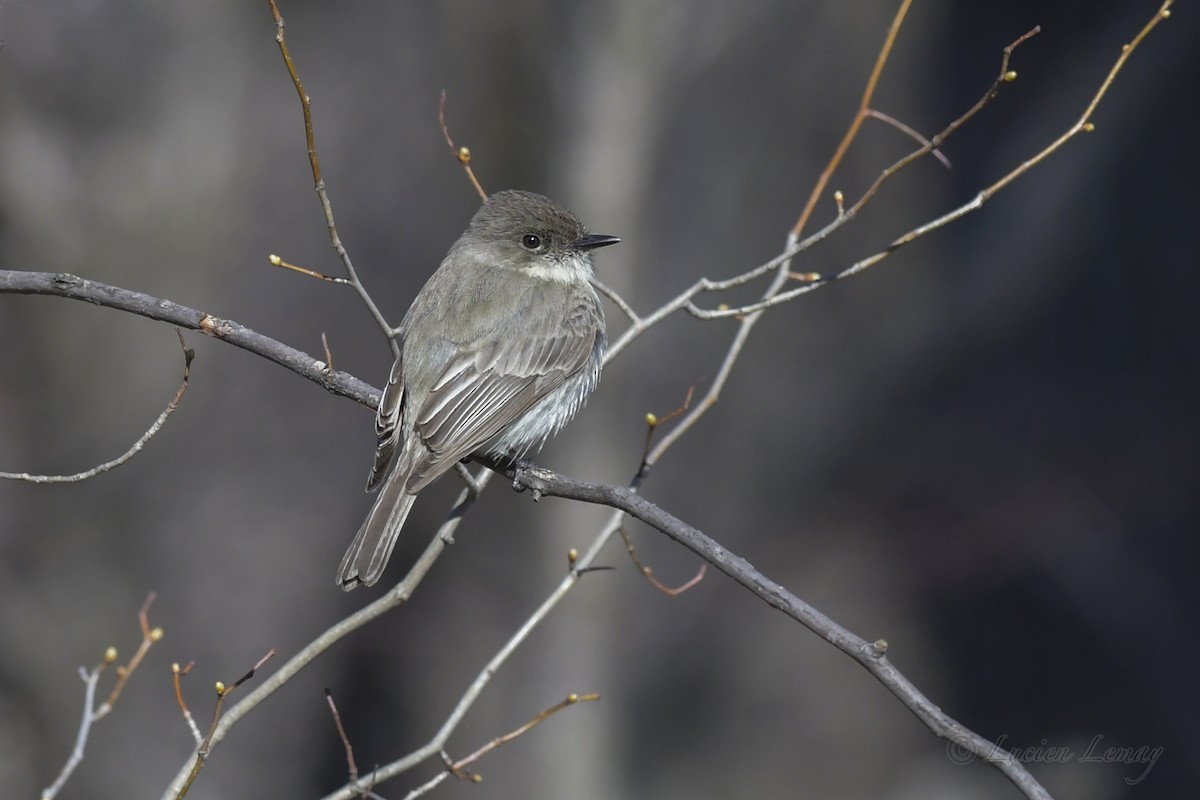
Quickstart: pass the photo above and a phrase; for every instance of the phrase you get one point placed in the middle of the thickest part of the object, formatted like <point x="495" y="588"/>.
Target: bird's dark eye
<point x="531" y="241"/>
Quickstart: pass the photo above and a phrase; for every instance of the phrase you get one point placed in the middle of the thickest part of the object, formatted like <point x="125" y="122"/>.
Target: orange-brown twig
<point x="351" y="766"/>
<point x="653" y="421"/>
<point x="328" y="352"/>
<point x="276" y="261"/>
<point x="1005" y="76"/>
<point x="149" y="637"/>
<point x="223" y="691"/>
<point x="855" y="123"/>
<point x="335" y="241"/>
<point x="461" y="154"/>
<point x="1084" y="123"/>
<point x="93" y="713"/>
<point x="458" y="767"/>
<point x="177" y="674"/>
<point x="648" y="573"/>
<point x="911" y="133"/>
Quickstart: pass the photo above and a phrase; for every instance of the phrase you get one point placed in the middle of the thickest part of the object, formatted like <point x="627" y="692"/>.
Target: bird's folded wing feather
<point x="485" y="388"/>
<point x="387" y="425"/>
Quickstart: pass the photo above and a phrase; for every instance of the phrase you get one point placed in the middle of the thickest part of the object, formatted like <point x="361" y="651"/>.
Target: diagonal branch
<point x="872" y="656"/>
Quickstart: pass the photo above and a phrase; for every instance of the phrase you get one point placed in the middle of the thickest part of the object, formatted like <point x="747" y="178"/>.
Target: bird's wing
<point x="387" y="426"/>
<point x="486" y="387"/>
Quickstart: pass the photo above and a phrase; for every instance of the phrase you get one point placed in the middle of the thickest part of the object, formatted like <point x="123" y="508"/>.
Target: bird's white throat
<point x="569" y="269"/>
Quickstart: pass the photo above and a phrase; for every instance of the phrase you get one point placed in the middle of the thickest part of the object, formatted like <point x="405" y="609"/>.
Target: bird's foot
<point x="519" y="469"/>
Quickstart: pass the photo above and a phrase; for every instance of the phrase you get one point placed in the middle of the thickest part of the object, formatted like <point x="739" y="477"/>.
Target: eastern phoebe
<point x="499" y="350"/>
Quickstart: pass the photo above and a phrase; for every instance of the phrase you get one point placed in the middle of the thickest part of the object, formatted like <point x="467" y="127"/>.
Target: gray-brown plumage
<point x="498" y="351"/>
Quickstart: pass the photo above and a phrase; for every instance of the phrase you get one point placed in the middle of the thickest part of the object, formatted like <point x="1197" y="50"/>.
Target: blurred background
<point x="983" y="450"/>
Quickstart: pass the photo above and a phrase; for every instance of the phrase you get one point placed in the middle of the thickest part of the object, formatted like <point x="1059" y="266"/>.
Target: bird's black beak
<point x="593" y="240"/>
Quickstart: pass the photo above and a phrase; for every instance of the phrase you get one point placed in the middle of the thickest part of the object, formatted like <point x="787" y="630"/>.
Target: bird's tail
<point x="368" y="554"/>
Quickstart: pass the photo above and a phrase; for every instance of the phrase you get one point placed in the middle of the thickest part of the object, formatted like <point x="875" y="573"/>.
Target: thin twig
<point x="855" y="123"/>
<point x="461" y="154"/>
<point x="648" y="573"/>
<point x="1084" y="123"/>
<point x="1004" y="76"/>
<point x="351" y="767"/>
<point x="458" y="768"/>
<point x="435" y="745"/>
<point x="90" y="715"/>
<point x="796" y="246"/>
<point x="223" y="690"/>
<point x="653" y="421"/>
<point x="93" y="713"/>
<point x="328" y="352"/>
<point x="335" y="241"/>
<point x="188" y="356"/>
<point x="911" y="133"/>
<point x="617" y="300"/>
<point x="276" y="261"/>
<point x="396" y="596"/>
<point x="177" y="674"/>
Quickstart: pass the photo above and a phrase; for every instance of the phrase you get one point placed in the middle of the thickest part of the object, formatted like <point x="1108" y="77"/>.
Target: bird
<point x="498" y="351"/>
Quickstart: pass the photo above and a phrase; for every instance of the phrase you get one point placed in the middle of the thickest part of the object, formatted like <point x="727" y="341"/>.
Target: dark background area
<point x="983" y="450"/>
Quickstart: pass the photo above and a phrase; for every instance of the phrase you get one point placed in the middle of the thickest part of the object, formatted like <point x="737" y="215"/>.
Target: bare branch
<point x="351" y="766"/>
<point x="177" y="674"/>
<point x="93" y="713"/>
<point x="618" y="301"/>
<point x="856" y="123"/>
<point x="396" y="596"/>
<point x="578" y="567"/>
<point x="870" y="655"/>
<point x="335" y="241"/>
<point x="908" y="131"/>
<point x="188" y="355"/>
<point x="90" y="715"/>
<point x="1082" y="125"/>
<point x="63" y="285"/>
<point x="459" y="767"/>
<point x="203" y="750"/>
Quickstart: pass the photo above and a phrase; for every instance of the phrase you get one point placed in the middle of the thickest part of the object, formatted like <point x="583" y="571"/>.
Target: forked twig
<point x="223" y="690"/>
<point x="335" y="241"/>
<point x="856" y="123"/>
<point x="91" y="678"/>
<point x="653" y="421"/>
